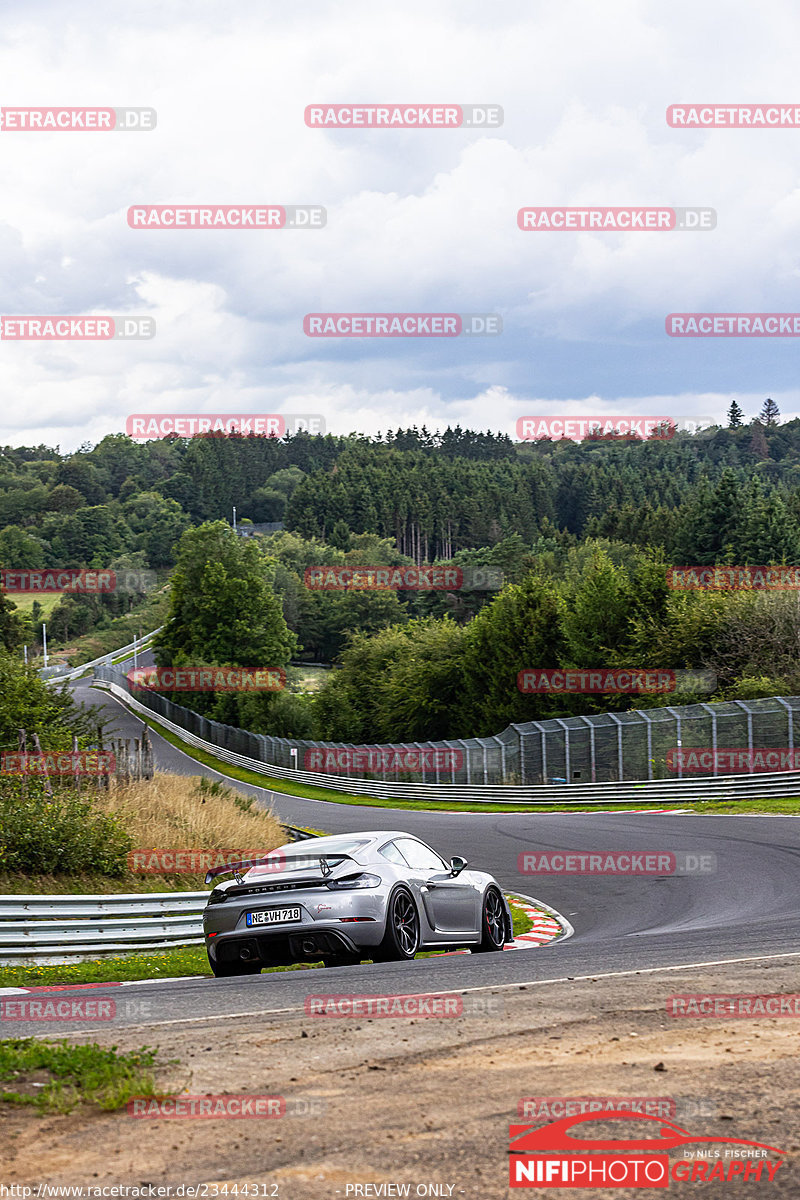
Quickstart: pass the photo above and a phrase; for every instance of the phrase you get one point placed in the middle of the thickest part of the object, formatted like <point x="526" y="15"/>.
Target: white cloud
<point x="417" y="221"/>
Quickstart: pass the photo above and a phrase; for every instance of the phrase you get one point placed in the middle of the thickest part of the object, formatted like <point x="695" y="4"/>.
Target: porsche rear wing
<point x="281" y="864"/>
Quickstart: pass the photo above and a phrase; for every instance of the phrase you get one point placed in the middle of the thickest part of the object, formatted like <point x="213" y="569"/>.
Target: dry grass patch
<point x="183" y="812"/>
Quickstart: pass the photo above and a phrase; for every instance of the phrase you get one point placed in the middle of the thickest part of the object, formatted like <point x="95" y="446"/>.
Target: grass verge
<point x="163" y="964"/>
<point x="57" y="1076"/>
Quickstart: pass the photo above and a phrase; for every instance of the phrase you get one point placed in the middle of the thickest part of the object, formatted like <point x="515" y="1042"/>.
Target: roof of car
<point x="376" y="835"/>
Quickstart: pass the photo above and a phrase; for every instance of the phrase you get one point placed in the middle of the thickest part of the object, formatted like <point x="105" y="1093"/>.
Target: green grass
<point x="309" y="677"/>
<point x="304" y="791"/>
<point x="520" y="921"/>
<point x="163" y="964"/>
<point x="24" y="601"/>
<point x="73" y="1074"/>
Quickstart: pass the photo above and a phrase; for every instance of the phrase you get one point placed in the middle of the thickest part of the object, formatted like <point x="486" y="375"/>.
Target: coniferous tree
<point x="735" y="416"/>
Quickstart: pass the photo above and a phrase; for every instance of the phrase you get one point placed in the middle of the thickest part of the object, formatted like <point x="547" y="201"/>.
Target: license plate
<point x="273" y="916"/>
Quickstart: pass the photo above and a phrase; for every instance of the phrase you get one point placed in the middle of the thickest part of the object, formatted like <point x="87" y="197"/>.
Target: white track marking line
<point x="501" y="987"/>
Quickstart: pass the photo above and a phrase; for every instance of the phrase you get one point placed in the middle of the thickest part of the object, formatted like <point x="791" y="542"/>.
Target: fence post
<point x="618" y="724"/>
<point x="591" y="747"/>
<point x="502" y="746"/>
<point x="710" y="710"/>
<point x="676" y="715"/>
<point x="565" y="727"/>
<point x="789" y="725"/>
<point x="643" y="714"/>
<point x="743" y="706"/>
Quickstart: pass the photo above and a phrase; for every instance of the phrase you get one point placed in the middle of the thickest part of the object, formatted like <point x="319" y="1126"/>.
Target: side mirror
<point x="457" y="865"/>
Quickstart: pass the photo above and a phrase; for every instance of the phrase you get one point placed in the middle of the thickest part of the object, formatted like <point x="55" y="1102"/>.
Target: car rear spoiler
<point x="325" y="860"/>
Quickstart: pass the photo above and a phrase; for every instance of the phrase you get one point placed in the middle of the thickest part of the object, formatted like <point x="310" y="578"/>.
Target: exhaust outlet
<point x="309" y="946"/>
<point x="245" y="953"/>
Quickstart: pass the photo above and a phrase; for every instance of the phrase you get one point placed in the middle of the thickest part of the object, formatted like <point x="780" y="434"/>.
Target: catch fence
<point x="641" y="745"/>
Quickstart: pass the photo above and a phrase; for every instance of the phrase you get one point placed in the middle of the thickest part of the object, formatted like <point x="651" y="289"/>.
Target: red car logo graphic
<point x="526" y="1139"/>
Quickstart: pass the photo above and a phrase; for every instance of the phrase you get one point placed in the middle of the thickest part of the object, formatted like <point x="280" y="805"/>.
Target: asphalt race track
<point x="749" y="909"/>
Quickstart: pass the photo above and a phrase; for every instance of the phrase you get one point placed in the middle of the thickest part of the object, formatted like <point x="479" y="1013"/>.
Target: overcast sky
<point x="418" y="221"/>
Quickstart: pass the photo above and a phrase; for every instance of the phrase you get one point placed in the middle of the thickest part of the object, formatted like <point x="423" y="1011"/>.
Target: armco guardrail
<point x="105" y="660"/>
<point x="678" y="791"/>
<point x="52" y="927"/>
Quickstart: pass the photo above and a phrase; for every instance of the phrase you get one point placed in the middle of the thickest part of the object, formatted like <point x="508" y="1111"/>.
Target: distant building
<point x="264" y="527"/>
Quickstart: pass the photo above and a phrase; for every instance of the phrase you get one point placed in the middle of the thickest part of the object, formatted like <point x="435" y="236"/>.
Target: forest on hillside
<point x="582" y="533"/>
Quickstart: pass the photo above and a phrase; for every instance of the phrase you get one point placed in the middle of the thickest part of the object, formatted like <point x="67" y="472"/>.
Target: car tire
<point x="225" y="970"/>
<point x="493" y="923"/>
<point x="401" y="939"/>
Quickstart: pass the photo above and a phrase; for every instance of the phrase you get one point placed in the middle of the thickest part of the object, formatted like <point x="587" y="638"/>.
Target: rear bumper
<point x="282" y="949"/>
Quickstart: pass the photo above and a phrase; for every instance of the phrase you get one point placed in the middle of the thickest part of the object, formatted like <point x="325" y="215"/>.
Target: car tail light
<point x="353" y="881"/>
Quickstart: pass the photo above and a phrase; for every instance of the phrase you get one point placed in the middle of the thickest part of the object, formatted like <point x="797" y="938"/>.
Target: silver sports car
<point x="380" y="895"/>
